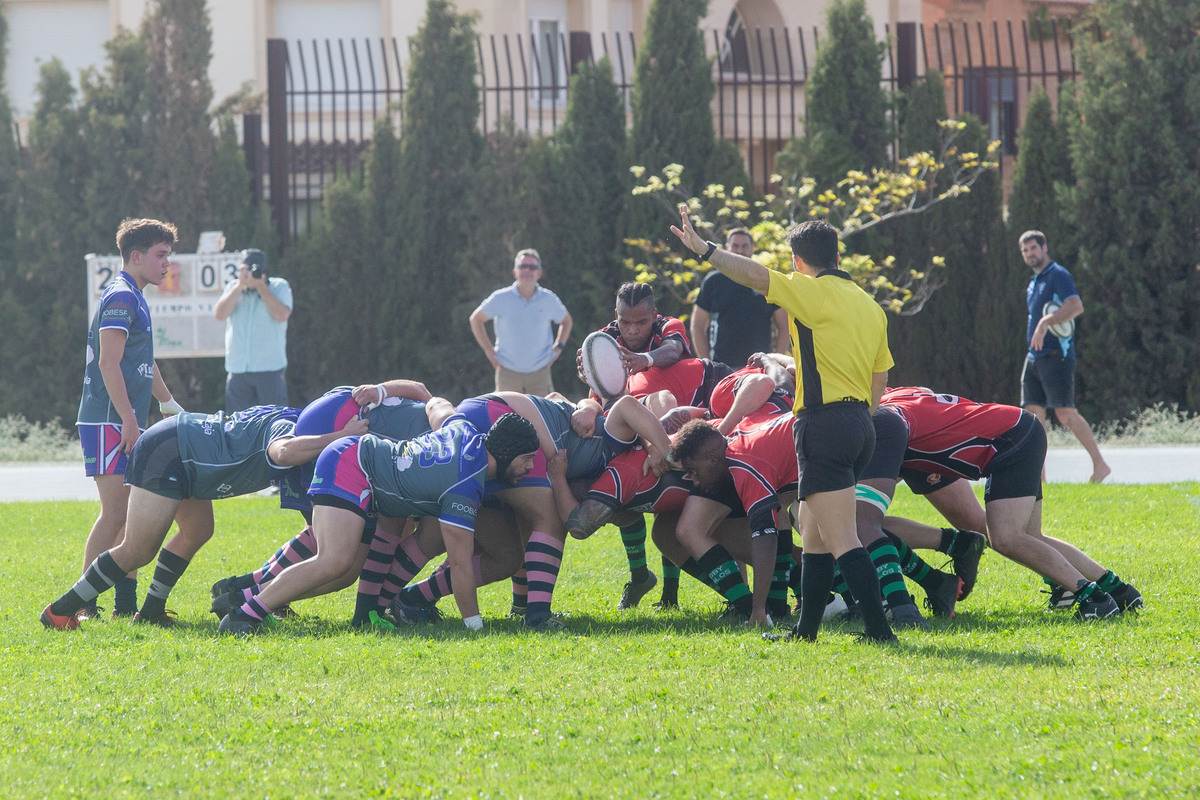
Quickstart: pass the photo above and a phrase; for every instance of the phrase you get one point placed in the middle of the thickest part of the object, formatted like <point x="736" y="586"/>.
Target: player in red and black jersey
<point x="755" y="388"/>
<point x="648" y="341"/>
<point x="647" y="338"/>
<point x="951" y="437"/>
<point x="628" y="489"/>
<point x="749" y="472"/>
<point x="891" y="555"/>
<point x="689" y="382"/>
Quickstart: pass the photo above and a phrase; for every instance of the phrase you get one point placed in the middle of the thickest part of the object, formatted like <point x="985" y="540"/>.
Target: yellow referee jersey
<point x="839" y="336"/>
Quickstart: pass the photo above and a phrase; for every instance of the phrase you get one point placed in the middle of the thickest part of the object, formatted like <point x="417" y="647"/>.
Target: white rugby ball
<point x="835" y="610"/>
<point x="602" y="366"/>
<point x="1062" y="330"/>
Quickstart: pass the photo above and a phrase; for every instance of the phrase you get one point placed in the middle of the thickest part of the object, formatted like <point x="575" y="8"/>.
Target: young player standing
<point x="119" y="378"/>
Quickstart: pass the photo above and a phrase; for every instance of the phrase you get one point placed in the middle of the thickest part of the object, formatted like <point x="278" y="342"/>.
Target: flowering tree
<point x="857" y="203"/>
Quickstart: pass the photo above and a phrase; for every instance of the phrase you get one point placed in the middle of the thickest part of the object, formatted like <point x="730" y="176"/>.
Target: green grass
<point x="1003" y="701"/>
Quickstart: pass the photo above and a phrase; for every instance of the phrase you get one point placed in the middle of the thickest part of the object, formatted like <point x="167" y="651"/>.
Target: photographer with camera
<point x="255" y="308"/>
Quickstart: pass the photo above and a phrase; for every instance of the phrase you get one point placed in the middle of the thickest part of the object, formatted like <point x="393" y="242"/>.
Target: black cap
<point x="510" y="436"/>
<point x="255" y="258"/>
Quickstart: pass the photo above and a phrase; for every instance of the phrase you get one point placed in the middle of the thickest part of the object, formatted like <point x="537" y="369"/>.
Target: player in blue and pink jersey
<point x="119" y="379"/>
<point x="177" y="468"/>
<point x="950" y="437"/>
<point x="441" y="473"/>
<point x="586" y="441"/>
<point x="397" y="409"/>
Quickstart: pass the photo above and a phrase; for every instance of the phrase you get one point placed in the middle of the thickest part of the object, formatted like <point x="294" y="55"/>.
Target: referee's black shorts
<point x="834" y="443"/>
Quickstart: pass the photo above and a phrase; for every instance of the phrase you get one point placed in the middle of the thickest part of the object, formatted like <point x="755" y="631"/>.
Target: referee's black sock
<point x="815" y="582"/>
<point x="863" y="581"/>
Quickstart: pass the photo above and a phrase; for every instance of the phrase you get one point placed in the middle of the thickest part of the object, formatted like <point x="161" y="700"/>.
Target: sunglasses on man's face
<point x="529" y="266"/>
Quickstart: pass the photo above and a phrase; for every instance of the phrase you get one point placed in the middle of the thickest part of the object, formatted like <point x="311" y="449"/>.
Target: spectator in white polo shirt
<point x="255" y="308"/>
<point x="523" y="316"/>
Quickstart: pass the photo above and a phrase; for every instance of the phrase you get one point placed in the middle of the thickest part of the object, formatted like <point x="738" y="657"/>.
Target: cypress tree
<point x="967" y="339"/>
<point x="180" y="146"/>
<point x="440" y="150"/>
<point x="50" y="326"/>
<point x="672" y="96"/>
<point x="8" y="164"/>
<point x="846" y="109"/>
<point x="230" y="204"/>
<point x="1135" y="206"/>
<point x="588" y="194"/>
<point x="343" y="235"/>
<point x="1043" y="163"/>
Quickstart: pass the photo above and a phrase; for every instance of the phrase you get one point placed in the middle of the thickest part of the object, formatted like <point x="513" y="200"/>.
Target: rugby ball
<point x="1062" y="330"/>
<point x="602" y="366"/>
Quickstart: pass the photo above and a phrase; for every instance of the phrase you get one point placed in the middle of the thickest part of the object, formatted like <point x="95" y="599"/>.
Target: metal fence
<point x="325" y="96"/>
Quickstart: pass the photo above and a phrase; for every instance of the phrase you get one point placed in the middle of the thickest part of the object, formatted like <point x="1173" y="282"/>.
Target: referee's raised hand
<point x="687" y="234"/>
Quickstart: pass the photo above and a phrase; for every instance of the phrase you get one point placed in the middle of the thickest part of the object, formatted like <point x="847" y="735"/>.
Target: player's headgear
<point x="509" y="437"/>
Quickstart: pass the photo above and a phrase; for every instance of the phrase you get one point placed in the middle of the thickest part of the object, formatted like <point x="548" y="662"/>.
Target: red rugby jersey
<point x="721" y="399"/>
<point x="762" y="460"/>
<point x="623" y="485"/>
<point x="948" y="434"/>
<point x="685" y="380"/>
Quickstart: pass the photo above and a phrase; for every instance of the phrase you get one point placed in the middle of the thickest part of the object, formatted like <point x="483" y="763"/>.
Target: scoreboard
<point x="181" y="308"/>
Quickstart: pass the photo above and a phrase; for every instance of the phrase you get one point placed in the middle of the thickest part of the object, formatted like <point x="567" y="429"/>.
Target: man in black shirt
<point x="729" y="321"/>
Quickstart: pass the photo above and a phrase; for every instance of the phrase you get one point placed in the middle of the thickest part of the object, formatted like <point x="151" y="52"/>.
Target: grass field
<point x="1002" y="701"/>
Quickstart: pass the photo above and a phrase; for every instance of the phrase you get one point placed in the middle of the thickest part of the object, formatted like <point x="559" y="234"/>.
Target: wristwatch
<point x="712" y="248"/>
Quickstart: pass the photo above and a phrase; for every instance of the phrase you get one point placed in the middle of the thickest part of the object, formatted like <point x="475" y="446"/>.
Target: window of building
<point x="550" y="73"/>
<point x="735" y="50"/>
<point x="991" y="95"/>
<point x="37" y="34"/>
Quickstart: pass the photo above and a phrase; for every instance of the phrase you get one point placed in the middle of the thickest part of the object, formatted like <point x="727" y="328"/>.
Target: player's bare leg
<point x="195" y="521"/>
<point x="1074" y="422"/>
<point x="107" y="532"/>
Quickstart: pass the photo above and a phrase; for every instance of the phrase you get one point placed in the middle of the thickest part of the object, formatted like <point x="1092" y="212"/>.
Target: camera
<point x="256" y="263"/>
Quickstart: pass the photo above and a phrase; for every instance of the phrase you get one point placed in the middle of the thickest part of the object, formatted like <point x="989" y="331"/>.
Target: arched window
<point x="735" y="53"/>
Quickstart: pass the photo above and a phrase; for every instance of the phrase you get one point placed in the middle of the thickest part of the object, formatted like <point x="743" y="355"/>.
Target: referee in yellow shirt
<point x="839" y="341"/>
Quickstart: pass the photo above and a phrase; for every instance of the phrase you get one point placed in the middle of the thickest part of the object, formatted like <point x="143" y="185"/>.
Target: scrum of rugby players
<point x="706" y="451"/>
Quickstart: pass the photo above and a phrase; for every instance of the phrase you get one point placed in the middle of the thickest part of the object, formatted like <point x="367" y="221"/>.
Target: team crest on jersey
<point x="403" y="462"/>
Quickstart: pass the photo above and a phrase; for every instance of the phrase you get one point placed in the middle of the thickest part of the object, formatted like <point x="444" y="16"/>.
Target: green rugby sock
<point x="891" y="578"/>
<point x="633" y="536"/>
<point x="723" y="572"/>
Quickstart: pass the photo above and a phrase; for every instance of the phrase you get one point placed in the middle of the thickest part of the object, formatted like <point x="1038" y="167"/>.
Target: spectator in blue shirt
<point x="255" y="308"/>
<point x="523" y="316"/>
<point x="1048" y="379"/>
